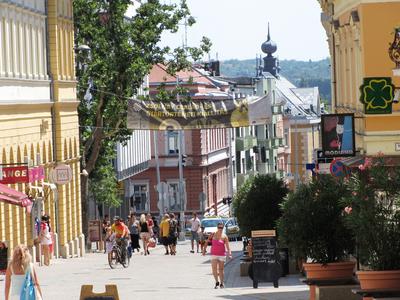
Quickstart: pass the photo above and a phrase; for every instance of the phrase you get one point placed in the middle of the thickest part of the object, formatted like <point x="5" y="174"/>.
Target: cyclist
<point x="121" y="234"/>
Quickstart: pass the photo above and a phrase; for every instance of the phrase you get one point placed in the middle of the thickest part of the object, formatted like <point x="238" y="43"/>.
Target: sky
<point x="237" y="28"/>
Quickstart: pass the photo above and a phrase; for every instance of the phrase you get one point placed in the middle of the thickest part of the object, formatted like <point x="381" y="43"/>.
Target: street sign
<point x="338" y="169"/>
<point x="162" y="189"/>
<point x="61" y="174"/>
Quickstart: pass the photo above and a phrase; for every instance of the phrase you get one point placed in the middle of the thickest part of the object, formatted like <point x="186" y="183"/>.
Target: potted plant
<point x="313" y="227"/>
<point x="373" y="215"/>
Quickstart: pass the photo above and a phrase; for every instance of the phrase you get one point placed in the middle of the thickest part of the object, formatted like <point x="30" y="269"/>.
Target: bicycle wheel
<point x="126" y="261"/>
<point x="113" y="259"/>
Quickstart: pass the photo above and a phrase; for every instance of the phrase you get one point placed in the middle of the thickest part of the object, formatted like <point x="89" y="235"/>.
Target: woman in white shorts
<point x="219" y="249"/>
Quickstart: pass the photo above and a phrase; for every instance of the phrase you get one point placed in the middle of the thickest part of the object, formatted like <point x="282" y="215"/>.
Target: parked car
<point x="232" y="228"/>
<point x="210" y="225"/>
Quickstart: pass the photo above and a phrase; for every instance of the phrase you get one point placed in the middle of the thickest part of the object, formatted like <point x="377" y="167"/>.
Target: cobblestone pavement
<point x="158" y="276"/>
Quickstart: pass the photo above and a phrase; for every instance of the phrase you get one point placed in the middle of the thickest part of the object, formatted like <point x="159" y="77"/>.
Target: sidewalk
<point x="158" y="276"/>
<point x="290" y="287"/>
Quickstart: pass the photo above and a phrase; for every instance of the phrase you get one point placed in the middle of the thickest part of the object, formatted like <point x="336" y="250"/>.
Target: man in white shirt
<point x="194" y="230"/>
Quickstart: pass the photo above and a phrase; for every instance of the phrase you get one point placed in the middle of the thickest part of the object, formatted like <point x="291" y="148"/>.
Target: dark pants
<point x="135" y="241"/>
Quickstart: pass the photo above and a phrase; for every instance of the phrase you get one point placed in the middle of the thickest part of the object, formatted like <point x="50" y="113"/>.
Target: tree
<point x="122" y="52"/>
<point x="257" y="203"/>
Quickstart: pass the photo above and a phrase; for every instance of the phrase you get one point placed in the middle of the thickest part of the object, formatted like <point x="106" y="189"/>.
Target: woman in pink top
<point x="219" y="246"/>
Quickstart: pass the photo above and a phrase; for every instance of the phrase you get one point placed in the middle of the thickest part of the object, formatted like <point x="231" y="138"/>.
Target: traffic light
<point x="227" y="200"/>
<point x="184" y="157"/>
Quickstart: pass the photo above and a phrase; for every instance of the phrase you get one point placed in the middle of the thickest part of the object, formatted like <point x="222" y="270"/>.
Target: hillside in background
<point x="300" y="73"/>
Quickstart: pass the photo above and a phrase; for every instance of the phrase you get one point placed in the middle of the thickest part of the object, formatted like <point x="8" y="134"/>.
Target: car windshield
<point x="211" y="222"/>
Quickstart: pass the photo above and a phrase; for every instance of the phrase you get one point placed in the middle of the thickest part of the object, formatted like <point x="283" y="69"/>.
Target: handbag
<point x="29" y="290"/>
<point x="152" y="243"/>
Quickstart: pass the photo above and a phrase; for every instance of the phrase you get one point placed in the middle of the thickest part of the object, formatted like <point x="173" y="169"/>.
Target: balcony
<point x="245" y="143"/>
<point x="277" y="142"/>
<point x="266" y="143"/>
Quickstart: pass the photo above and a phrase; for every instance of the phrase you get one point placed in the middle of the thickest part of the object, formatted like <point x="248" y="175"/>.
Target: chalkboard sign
<point x="265" y="265"/>
<point x="3" y="259"/>
<point x="111" y="293"/>
<point x="100" y="298"/>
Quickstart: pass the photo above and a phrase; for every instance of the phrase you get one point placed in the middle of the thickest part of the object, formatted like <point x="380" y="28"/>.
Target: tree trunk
<point x="85" y="206"/>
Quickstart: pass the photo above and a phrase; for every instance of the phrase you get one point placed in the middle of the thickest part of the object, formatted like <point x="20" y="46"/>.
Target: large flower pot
<point x="337" y="270"/>
<point x="378" y="280"/>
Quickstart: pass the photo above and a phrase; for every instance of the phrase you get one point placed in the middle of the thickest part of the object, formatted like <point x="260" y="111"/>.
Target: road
<point x="158" y="276"/>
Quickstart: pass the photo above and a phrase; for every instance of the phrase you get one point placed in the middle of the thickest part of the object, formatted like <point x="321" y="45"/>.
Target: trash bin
<point x="284" y="257"/>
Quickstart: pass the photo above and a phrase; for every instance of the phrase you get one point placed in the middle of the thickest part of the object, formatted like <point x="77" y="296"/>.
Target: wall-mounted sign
<point x="338" y="135"/>
<point x="36" y="173"/>
<point x="397" y="146"/>
<point x="377" y="94"/>
<point x="61" y="174"/>
<point x="17" y="174"/>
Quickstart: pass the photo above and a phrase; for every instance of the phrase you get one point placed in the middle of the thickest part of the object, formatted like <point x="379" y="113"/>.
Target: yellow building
<point x="39" y="119"/>
<point x="359" y="35"/>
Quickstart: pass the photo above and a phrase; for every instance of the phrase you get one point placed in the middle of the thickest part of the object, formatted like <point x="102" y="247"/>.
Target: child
<point x="202" y="240"/>
<point x="110" y="240"/>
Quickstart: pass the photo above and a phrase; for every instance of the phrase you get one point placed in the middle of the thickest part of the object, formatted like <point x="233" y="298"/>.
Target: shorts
<point x="219" y="258"/>
<point x="172" y="240"/>
<point x="144" y="235"/>
<point x="165" y="240"/>
<point x="195" y="236"/>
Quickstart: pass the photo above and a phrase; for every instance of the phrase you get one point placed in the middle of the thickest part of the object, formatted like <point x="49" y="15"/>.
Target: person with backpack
<point x="173" y="233"/>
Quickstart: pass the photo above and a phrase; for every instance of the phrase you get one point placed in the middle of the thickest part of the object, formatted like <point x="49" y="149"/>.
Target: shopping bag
<point x="152" y="243"/>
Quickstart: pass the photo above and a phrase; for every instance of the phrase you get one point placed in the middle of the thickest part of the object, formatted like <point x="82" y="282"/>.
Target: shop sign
<point x="61" y="174"/>
<point x="377" y="94"/>
<point x="36" y="173"/>
<point x="337" y="135"/>
<point x="11" y="175"/>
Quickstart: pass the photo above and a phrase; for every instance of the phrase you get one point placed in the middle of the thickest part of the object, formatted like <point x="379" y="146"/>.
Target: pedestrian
<point x="51" y="248"/>
<point x="150" y="224"/>
<point x="173" y="233"/>
<point x="144" y="233"/>
<point x="202" y="240"/>
<point x="133" y="226"/>
<point x="219" y="249"/>
<point x="109" y="240"/>
<point x="156" y="229"/>
<point x="45" y="239"/>
<point x="164" y="232"/>
<point x="121" y="235"/>
<point x="20" y="265"/>
<point x="195" y="226"/>
<point x="105" y="224"/>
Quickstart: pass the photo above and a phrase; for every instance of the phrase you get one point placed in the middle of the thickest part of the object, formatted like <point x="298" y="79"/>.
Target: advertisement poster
<point x="199" y="114"/>
<point x="338" y="135"/>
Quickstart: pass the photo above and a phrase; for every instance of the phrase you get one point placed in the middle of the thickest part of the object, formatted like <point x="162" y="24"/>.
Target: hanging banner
<point x="11" y="175"/>
<point x="338" y="135"/>
<point x="199" y="114"/>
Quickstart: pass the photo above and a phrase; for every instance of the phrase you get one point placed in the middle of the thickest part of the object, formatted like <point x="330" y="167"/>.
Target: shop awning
<point x="222" y="210"/>
<point x="11" y="196"/>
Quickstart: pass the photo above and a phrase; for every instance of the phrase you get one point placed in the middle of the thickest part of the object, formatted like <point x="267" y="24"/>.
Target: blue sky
<point x="238" y="28"/>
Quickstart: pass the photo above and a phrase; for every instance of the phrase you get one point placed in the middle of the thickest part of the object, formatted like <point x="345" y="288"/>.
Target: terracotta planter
<point x="341" y="270"/>
<point x="378" y="280"/>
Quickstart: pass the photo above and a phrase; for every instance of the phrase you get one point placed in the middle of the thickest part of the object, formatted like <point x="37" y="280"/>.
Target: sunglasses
<point x="220" y="227"/>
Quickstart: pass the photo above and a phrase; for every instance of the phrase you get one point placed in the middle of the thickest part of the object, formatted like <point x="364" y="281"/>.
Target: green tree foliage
<point x="313" y="223"/>
<point x="257" y="203"/>
<point x="122" y="52"/>
<point x="300" y="73"/>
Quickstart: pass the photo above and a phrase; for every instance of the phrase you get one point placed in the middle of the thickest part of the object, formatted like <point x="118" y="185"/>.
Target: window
<point x="173" y="142"/>
<point x="139" y="198"/>
<point x="238" y="133"/>
<point x="286" y="137"/>
<point x="274" y="130"/>
<point x="275" y="164"/>
<point x="238" y="161"/>
<point x="266" y="132"/>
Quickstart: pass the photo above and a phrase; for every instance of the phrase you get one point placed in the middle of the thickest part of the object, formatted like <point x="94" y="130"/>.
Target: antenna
<point x="269" y="36"/>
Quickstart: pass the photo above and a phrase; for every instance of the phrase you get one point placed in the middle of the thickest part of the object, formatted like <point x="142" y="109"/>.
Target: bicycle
<point x="116" y="256"/>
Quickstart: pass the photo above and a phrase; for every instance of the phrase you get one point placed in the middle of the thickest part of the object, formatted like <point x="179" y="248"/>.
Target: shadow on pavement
<point x="269" y="296"/>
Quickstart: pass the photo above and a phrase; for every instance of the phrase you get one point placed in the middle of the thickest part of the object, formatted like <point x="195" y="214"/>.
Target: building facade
<point x="359" y="36"/>
<point x="38" y="119"/>
<point x="205" y="151"/>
